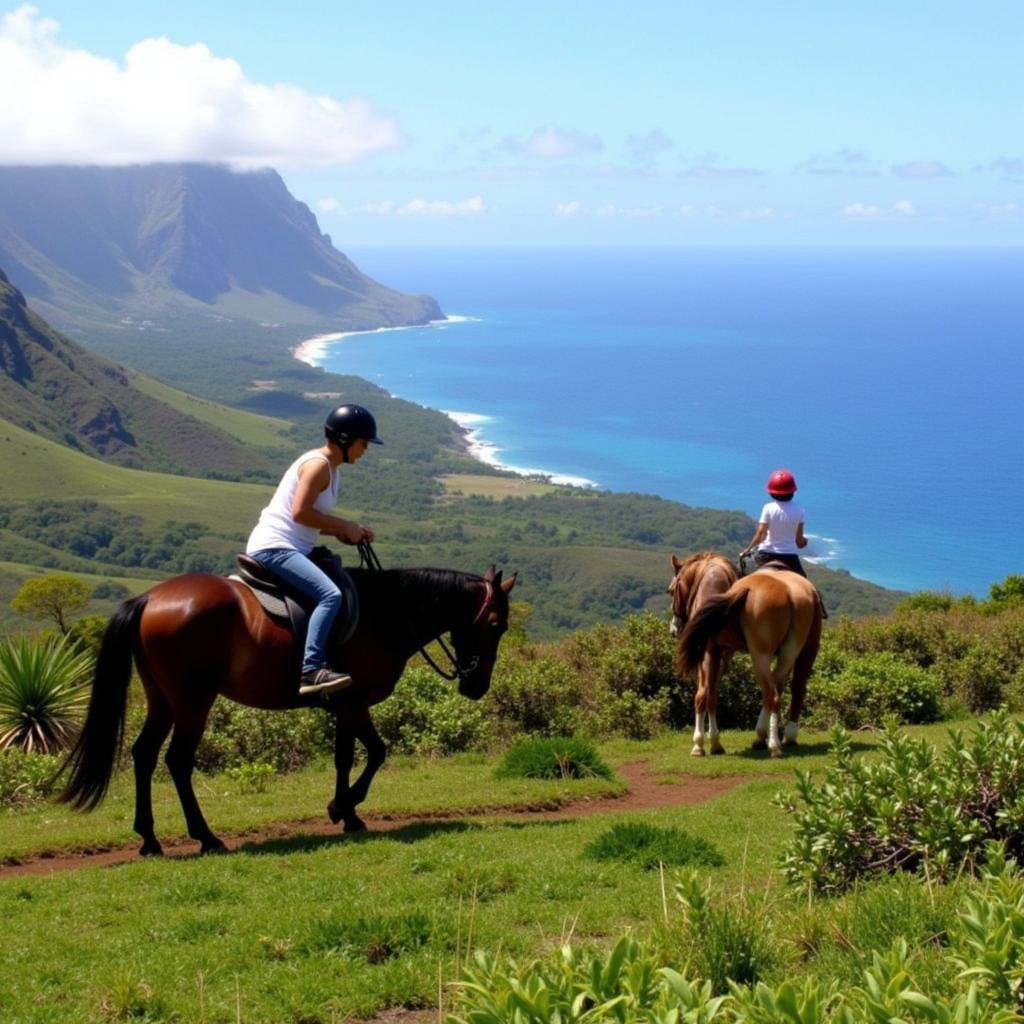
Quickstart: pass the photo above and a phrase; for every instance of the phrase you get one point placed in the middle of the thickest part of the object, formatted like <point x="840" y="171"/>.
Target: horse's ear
<point x="676" y="564"/>
<point x="508" y="584"/>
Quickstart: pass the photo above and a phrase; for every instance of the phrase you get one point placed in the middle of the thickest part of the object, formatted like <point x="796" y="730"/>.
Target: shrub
<point x="912" y="808"/>
<point x="25" y="778"/>
<point x="543" y="697"/>
<point x="426" y="715"/>
<point x="44" y="688"/>
<point x="648" y="846"/>
<point x="869" y="689"/>
<point x="552" y="758"/>
<point x="237" y="736"/>
<point x="252" y="778"/>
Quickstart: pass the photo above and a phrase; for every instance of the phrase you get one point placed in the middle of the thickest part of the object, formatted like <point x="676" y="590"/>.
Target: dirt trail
<point x="645" y="793"/>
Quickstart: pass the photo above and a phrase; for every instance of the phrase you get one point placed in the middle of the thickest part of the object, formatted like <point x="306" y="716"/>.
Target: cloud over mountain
<point x="165" y="102"/>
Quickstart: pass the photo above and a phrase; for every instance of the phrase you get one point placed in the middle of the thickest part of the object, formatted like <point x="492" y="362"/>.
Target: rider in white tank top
<point x="298" y="514"/>
<point x="276" y="527"/>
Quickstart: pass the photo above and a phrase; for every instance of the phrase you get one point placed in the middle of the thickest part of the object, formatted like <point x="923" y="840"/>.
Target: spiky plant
<point x="44" y="690"/>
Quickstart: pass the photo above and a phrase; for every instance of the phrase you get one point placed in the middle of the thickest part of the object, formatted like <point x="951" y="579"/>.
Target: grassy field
<point x="318" y="929"/>
<point x="465" y="484"/>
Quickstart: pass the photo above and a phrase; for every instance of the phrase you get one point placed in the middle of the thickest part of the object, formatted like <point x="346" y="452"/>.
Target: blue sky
<point x="610" y="123"/>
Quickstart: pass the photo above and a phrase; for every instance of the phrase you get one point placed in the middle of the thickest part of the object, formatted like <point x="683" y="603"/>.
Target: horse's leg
<point x="145" y="752"/>
<point x="376" y="752"/>
<point x="762" y="665"/>
<point x="341" y="807"/>
<point x="714" y="662"/>
<point x="700" y="703"/>
<point x="181" y="759"/>
<point x="801" y="674"/>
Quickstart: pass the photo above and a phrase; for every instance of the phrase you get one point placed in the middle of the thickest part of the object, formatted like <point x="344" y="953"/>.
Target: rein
<point x="368" y="559"/>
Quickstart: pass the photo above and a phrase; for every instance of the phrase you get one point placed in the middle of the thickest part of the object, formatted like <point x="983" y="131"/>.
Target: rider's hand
<point x="353" y="533"/>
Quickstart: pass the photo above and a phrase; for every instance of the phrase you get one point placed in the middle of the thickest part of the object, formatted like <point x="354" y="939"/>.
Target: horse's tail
<point x="704" y="624"/>
<point x="92" y="759"/>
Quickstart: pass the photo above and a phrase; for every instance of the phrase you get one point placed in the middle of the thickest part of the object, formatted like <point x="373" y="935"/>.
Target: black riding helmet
<point x="348" y="423"/>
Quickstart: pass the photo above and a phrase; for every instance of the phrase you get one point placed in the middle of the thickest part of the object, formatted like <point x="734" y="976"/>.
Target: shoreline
<point x="469" y="424"/>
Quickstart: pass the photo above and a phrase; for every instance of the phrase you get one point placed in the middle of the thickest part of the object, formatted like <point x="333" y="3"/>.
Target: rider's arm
<point x="801" y="540"/>
<point x="759" y="535"/>
<point x="314" y="477"/>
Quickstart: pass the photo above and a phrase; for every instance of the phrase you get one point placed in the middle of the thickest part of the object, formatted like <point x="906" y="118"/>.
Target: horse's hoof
<point x="776" y="751"/>
<point x="789" y="741"/>
<point x="698" y="751"/>
<point x="151" y="848"/>
<point x="355" y="825"/>
<point x="333" y="813"/>
<point x="760" y="743"/>
<point x="718" y="749"/>
<point x="212" y="848"/>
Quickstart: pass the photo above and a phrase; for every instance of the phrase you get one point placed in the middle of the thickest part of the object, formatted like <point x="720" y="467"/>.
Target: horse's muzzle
<point x="477" y="681"/>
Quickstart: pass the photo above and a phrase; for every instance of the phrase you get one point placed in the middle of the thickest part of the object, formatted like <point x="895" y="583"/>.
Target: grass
<point x="633" y="842"/>
<point x="321" y="928"/>
<point x="497" y="487"/>
<point x="250" y="428"/>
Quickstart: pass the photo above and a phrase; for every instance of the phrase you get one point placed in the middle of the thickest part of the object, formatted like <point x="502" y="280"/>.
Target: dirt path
<point x="645" y="793"/>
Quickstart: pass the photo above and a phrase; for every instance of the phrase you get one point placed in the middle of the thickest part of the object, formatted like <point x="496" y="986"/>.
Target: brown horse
<point x="772" y="614"/>
<point x="697" y="580"/>
<point x="197" y="636"/>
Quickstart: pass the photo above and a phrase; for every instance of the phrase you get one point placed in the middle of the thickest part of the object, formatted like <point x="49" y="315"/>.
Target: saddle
<point x="292" y="608"/>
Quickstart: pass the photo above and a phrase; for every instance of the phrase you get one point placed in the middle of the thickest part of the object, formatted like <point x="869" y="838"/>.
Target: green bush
<point x="540" y="697"/>
<point x="252" y="778"/>
<point x="426" y="715"/>
<point x="237" y="735"/>
<point x="648" y="846"/>
<point x="912" y="808"/>
<point x="868" y="689"/>
<point x="25" y="778"/>
<point x="559" y="757"/>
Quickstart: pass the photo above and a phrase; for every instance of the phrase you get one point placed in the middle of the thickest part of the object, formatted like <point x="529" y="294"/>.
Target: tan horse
<point x="775" y="615"/>
<point x="697" y="580"/>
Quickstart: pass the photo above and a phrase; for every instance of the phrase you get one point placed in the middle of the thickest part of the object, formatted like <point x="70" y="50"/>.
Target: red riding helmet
<point x="781" y="483"/>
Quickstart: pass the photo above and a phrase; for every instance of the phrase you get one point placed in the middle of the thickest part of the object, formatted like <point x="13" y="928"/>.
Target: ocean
<point x="888" y="380"/>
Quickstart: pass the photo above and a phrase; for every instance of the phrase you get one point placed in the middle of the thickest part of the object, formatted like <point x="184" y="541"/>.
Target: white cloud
<point x="552" y="143"/>
<point x="472" y="207"/>
<point x="165" y="102"/>
<point x="869" y="211"/>
<point x="568" y="209"/>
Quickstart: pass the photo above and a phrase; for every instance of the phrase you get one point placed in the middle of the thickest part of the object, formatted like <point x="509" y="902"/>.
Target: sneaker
<point x="318" y="682"/>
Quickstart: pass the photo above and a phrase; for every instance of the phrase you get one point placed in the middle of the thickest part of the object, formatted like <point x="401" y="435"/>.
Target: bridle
<point x="368" y="559"/>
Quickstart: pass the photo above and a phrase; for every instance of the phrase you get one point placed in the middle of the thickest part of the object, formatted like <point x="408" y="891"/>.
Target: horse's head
<point x="687" y="577"/>
<point x="476" y="641"/>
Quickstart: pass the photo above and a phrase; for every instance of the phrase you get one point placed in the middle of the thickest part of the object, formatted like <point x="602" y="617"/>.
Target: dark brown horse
<point x="697" y="580"/>
<point x="198" y="636"/>
<point x="773" y="614"/>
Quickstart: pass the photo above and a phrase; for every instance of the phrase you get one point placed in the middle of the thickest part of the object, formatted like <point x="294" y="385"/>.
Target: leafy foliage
<point x="44" y="689"/>
<point x="426" y="715"/>
<point x="648" y="846"/>
<point x="980" y="982"/>
<point x="25" y="778"/>
<point x="57" y="596"/>
<point x="561" y="757"/>
<point x="912" y="808"/>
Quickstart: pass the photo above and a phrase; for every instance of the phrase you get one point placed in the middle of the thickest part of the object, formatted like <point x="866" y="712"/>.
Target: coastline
<point x="313" y="350"/>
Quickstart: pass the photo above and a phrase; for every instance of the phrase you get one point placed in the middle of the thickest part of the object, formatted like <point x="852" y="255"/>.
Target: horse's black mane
<point x="426" y="587"/>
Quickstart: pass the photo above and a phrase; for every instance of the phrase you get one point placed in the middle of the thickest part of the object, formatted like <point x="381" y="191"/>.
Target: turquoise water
<point x="888" y="381"/>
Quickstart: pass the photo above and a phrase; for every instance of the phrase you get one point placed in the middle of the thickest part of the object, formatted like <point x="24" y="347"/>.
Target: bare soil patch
<point x="646" y="792"/>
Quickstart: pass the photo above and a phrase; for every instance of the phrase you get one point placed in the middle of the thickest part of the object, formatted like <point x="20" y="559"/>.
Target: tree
<point x="1010" y="591"/>
<point x="57" y="596"/>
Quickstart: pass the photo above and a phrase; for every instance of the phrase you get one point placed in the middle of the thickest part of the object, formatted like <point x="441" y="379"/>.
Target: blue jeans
<point x="302" y="575"/>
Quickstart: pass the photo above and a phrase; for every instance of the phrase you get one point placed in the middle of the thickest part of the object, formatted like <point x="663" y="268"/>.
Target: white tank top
<point x="276" y="528"/>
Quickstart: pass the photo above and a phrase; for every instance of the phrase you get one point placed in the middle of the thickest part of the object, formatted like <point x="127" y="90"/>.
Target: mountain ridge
<point x="92" y="246"/>
<point x="56" y="388"/>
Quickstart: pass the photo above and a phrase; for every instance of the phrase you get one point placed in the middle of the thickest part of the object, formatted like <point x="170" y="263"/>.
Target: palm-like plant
<point x="44" y="690"/>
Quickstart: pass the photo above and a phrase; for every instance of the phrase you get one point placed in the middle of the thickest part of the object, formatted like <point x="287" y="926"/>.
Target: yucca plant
<point x="44" y="690"/>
